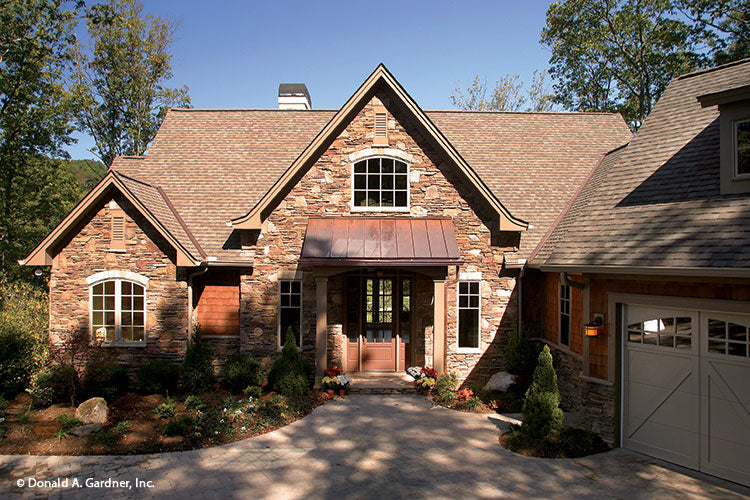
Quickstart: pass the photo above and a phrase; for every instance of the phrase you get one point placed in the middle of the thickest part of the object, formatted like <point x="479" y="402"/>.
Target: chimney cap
<point x="294" y="90"/>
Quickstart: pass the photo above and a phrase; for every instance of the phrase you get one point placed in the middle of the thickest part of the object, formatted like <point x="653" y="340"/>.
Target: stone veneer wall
<point x="325" y="190"/>
<point x="146" y="253"/>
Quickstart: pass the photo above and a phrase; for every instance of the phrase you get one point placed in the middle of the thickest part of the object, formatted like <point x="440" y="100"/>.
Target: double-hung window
<point x="469" y="306"/>
<point x="118" y="311"/>
<point x="742" y="148"/>
<point x="380" y="184"/>
<point x="290" y="310"/>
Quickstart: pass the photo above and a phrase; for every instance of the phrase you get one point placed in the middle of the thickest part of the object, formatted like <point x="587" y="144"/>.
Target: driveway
<point x="365" y="447"/>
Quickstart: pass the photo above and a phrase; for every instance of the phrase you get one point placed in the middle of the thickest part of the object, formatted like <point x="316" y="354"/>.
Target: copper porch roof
<point x="380" y="241"/>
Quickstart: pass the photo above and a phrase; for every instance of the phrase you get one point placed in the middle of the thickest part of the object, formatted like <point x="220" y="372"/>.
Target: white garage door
<point x="686" y="396"/>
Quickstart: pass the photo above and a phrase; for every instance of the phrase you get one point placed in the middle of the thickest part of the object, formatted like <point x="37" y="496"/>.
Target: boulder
<point x="500" y="381"/>
<point x="86" y="430"/>
<point x="92" y="411"/>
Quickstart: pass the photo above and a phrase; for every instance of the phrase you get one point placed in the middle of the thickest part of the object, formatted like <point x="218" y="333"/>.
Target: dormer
<point x="734" y="142"/>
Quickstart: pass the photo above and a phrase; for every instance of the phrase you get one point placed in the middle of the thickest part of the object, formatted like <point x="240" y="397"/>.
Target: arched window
<point x="118" y="307"/>
<point x="380" y="184"/>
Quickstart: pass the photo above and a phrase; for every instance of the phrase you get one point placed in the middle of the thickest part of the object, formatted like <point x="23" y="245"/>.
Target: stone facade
<point x="146" y="253"/>
<point x="436" y="190"/>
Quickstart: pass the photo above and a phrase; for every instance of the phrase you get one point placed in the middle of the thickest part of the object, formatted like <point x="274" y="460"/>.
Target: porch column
<point x="321" y="327"/>
<point x="438" y="321"/>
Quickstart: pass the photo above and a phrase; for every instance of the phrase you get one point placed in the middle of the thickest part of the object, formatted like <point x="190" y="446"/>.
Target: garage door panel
<point x="666" y="442"/>
<point x="659" y="367"/>
<point x="673" y="407"/>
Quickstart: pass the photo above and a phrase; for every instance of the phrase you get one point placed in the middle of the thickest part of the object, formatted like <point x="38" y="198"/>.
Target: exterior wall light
<point x="592" y="328"/>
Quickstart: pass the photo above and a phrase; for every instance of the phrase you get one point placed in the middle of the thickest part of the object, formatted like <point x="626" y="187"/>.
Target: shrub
<point x="179" y="427"/>
<point x="195" y="403"/>
<point x="197" y="367"/>
<point x="158" y="377"/>
<point x="252" y="391"/>
<point x="240" y="372"/>
<point x="541" y="413"/>
<point x="23" y="335"/>
<point x="446" y="386"/>
<point x="521" y="354"/>
<point x="56" y="384"/>
<point x="107" y="380"/>
<point x="291" y="367"/>
<point x="167" y="409"/>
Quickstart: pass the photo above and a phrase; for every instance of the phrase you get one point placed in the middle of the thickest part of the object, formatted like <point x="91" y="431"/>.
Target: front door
<point x="378" y="339"/>
<point x="378" y="322"/>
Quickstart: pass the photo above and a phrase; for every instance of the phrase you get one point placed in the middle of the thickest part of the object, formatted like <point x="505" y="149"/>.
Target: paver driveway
<point x="368" y="447"/>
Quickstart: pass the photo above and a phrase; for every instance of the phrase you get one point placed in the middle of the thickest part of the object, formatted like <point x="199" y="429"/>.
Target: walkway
<point x="368" y="447"/>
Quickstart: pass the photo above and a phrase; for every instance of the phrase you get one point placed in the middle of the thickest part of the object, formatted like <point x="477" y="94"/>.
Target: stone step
<point x="383" y="390"/>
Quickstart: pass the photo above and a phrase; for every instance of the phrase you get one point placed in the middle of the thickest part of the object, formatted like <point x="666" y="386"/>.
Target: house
<point x="385" y="236"/>
<point x="655" y="248"/>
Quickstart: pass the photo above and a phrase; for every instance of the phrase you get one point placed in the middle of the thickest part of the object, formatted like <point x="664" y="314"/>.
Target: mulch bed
<point x="37" y="432"/>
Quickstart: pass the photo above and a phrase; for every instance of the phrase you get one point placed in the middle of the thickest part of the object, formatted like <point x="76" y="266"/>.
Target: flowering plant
<point x="465" y="394"/>
<point x="330" y="383"/>
<point x="425" y="383"/>
<point x="334" y="371"/>
<point x="429" y="372"/>
<point x="414" y="372"/>
<point x="344" y="381"/>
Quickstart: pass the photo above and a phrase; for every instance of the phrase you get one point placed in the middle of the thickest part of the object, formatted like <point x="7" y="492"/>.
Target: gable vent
<point x="118" y="232"/>
<point x="381" y="128"/>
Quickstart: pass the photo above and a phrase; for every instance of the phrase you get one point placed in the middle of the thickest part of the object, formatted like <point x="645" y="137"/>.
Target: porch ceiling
<point x="380" y="241"/>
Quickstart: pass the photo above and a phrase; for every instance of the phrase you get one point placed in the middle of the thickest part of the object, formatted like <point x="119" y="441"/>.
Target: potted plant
<point x="334" y="380"/>
<point x="343" y="384"/>
<point x="426" y="380"/>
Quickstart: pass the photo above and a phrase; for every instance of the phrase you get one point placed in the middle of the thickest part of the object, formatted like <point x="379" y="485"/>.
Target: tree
<point x="617" y="55"/>
<point x="507" y="95"/>
<point x="725" y="25"/>
<point x="542" y="415"/>
<point x="119" y="91"/>
<point x="36" y="42"/>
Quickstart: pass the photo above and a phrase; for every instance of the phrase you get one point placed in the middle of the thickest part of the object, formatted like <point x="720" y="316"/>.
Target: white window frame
<point x="118" y="277"/>
<point x="560" y="313"/>
<point x="407" y="208"/>
<point x="279" y="333"/>
<point x="460" y="349"/>
<point x="736" y="150"/>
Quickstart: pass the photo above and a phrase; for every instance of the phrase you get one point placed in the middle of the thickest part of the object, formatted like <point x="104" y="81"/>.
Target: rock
<point x="500" y="381"/>
<point x="92" y="411"/>
<point x="86" y="430"/>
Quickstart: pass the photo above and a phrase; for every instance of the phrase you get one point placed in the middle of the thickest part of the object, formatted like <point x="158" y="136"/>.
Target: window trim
<point x="560" y="314"/>
<point x="118" y="277"/>
<point x="356" y="208"/>
<point x="730" y="116"/>
<point x="279" y="343"/>
<point x="460" y="349"/>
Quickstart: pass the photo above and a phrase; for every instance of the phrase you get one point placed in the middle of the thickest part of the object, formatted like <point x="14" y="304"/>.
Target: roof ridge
<point x="213" y="110"/>
<point x="181" y="221"/>
<point x="117" y="173"/>
<point x="572" y="113"/>
<point x="713" y="68"/>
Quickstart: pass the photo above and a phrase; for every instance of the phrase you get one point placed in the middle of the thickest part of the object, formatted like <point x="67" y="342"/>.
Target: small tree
<point x="197" y="368"/>
<point x="290" y="373"/>
<point x="542" y="415"/>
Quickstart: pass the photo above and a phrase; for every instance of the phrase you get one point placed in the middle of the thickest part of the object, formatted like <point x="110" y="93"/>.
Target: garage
<point x="686" y="391"/>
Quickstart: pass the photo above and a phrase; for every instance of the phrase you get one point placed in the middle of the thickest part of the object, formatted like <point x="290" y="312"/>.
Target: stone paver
<point x="367" y="447"/>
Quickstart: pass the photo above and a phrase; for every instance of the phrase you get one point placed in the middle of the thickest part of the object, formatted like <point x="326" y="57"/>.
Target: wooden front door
<point x="378" y="322"/>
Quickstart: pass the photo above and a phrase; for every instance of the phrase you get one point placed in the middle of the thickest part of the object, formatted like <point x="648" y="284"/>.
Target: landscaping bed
<point x="140" y="424"/>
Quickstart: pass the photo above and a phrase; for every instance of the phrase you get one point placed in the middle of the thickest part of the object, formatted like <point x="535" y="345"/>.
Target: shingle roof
<point x="216" y="164"/>
<point x="657" y="202"/>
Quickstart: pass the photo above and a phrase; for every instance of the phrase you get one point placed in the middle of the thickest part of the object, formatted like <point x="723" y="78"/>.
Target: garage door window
<point x="675" y="332"/>
<point x="725" y="337"/>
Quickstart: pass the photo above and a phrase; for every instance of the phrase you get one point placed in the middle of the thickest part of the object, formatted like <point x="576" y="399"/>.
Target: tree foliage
<point x="542" y="415"/>
<point x="120" y="89"/>
<point x="617" y="55"/>
<point x="508" y="94"/>
<point x="724" y="23"/>
<point x="36" y="43"/>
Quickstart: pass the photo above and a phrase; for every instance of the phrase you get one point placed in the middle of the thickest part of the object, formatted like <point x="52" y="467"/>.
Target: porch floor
<point x="381" y="383"/>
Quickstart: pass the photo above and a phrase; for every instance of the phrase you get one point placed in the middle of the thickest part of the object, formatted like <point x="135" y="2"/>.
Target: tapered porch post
<point x="439" y="326"/>
<point x="321" y="327"/>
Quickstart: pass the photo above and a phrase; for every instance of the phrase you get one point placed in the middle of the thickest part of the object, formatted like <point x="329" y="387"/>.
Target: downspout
<point x="565" y="280"/>
<point x="520" y="300"/>
<point x="203" y="270"/>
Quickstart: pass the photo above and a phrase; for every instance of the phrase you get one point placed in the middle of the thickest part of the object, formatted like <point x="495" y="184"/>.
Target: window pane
<point x="737" y="332"/>
<point x="127" y="304"/>
<point x="387" y="335"/>
<point x="138" y="303"/>
<point x="400" y="167"/>
<point x="387" y="165"/>
<point x="400" y="182"/>
<point x="98" y="303"/>
<point x="737" y="349"/>
<point x="463" y="301"/>
<point x="474" y="287"/>
<point x="109" y="287"/>
<point x="290" y="318"/>
<point x="743" y="148"/>
<point x="387" y="182"/>
<point x="373" y="166"/>
<point x="138" y="319"/>
<point x="373" y="182"/>
<point x="109" y="302"/>
<point x="468" y="328"/>
<point x="285" y="301"/>
<point x="743" y="162"/>
<point x="373" y="199"/>
<point x="683" y="342"/>
<point x="387" y="199"/>
<point x="359" y="198"/>
<point x="360" y="181"/>
<point x="634" y="336"/>
<point x="99" y="289"/>
<point x="565" y="329"/>
<point x="109" y="319"/>
<point x="285" y="286"/>
<point x="97" y="318"/>
<point x="666" y="340"/>
<point x="126" y="319"/>
<point x="650" y="338"/>
<point x="126" y="288"/>
<point x="138" y="333"/>
<point x="717" y="347"/>
<point x="716" y="329"/>
<point x="684" y="326"/>
<point x="137" y="289"/>
<point x="474" y="301"/>
<point x="463" y="287"/>
<point x="360" y="167"/>
<point x="401" y="199"/>
<point x="126" y="333"/>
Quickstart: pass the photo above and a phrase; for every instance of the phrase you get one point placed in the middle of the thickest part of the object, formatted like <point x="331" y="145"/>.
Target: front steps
<point x="385" y="383"/>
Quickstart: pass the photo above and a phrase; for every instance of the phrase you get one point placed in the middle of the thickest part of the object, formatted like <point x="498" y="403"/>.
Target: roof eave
<point x="41" y="255"/>
<point x="721" y="272"/>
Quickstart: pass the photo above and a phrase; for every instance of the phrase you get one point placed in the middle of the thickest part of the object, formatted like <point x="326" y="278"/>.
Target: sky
<point x="234" y="54"/>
